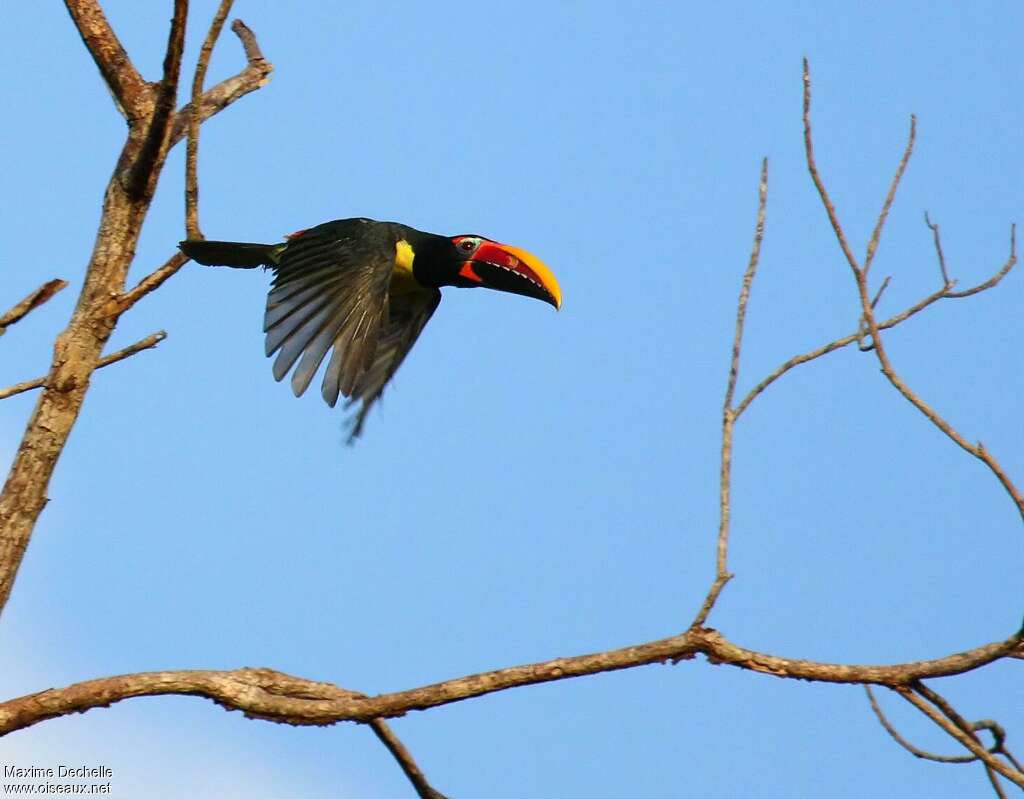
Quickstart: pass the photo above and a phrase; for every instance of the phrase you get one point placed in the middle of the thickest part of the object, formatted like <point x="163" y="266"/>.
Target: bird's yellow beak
<point x="507" y="268"/>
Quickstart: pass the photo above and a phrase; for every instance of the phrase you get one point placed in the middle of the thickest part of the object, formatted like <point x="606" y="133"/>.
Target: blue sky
<point x="535" y="484"/>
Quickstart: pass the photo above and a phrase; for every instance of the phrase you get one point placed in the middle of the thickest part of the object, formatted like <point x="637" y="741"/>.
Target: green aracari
<point x="365" y="290"/>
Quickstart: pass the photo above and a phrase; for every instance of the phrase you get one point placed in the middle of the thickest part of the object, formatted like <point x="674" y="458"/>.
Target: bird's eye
<point x="468" y="245"/>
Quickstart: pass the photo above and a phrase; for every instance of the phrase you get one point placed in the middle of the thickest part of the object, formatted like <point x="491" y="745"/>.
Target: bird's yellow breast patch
<point x="402" y="279"/>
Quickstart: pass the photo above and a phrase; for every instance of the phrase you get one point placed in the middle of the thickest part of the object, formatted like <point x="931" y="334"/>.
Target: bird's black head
<point x="469" y="261"/>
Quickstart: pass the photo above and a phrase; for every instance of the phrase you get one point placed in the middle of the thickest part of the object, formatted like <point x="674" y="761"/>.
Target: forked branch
<point x="255" y="75"/>
<point x="945" y="292"/>
<point x="870" y="321"/>
<point x="78" y="350"/>
<point x="927" y="701"/>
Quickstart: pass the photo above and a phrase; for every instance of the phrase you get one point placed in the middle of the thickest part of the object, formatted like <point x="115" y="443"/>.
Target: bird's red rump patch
<point x="296" y="234"/>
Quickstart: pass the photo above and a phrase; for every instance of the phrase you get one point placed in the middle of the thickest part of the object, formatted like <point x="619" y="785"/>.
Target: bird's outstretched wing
<point x="408" y="315"/>
<point x="330" y="290"/>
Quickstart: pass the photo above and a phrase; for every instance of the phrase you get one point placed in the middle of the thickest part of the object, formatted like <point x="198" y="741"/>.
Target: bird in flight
<point x="366" y="289"/>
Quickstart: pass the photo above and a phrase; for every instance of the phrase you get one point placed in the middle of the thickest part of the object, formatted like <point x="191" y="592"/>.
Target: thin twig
<point x="934" y="228"/>
<point x="830" y="209"/>
<point x="944" y="706"/>
<point x="748" y="280"/>
<point x="895" y="735"/>
<point x="968" y="740"/>
<point x="881" y="291"/>
<point x="722" y="575"/>
<point x="149" y="342"/>
<point x="876" y="234"/>
<point x="993" y="779"/>
<point x="891" y="322"/>
<point x="255" y="75"/>
<point x="248" y="40"/>
<point x="997" y="731"/>
<point x="994" y="280"/>
<point x="845" y="341"/>
<point x="192" y="228"/>
<point x="30" y="303"/>
<point x="405" y="760"/>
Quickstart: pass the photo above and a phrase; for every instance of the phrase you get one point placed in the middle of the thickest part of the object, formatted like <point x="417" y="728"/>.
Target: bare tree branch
<point x="812" y="166"/>
<point x="192" y="228"/>
<point x="748" y="280"/>
<point x="149" y="342"/>
<point x="722" y="575"/>
<point x="78" y="350"/>
<point x="132" y="94"/>
<point x="992" y="281"/>
<point x="977" y="450"/>
<point x="845" y="341"/>
<point x="876" y="234"/>
<point x="38" y="297"/>
<point x="141" y="178"/>
<point x="832" y="346"/>
<point x="951" y="722"/>
<point x="881" y="291"/>
<point x="405" y="760"/>
<point x="938" y="248"/>
<point x="282" y="698"/>
<point x="255" y="75"/>
<point x="861" y="280"/>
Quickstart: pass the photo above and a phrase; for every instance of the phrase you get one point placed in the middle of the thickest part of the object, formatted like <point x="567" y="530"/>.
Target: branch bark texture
<point x="273" y="696"/>
<point x="78" y="349"/>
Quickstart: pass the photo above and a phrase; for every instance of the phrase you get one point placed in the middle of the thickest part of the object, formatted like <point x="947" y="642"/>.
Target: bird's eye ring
<point x="467" y="245"/>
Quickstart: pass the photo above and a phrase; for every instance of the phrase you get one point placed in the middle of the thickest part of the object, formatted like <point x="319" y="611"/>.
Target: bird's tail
<point x="240" y="255"/>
